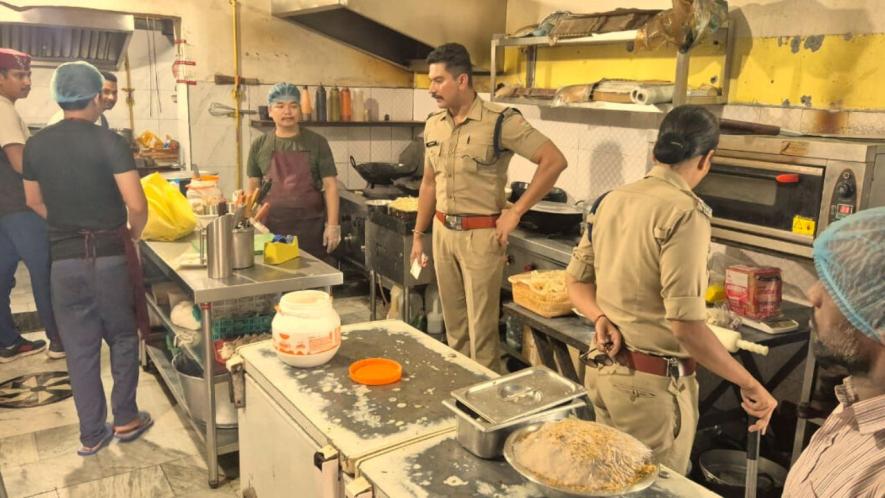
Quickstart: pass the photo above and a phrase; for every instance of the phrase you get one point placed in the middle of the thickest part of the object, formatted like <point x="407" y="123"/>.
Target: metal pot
<point x="190" y="375"/>
<point x="555" y="195"/>
<point x="552" y="218"/>
<point x="487" y="441"/>
<point x="726" y="470"/>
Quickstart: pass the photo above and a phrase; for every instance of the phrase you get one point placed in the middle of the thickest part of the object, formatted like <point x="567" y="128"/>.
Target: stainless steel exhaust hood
<point x="57" y="34"/>
<point x="402" y="32"/>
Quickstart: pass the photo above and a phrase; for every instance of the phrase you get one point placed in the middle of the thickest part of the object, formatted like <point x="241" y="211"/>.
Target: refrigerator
<point x="304" y="432"/>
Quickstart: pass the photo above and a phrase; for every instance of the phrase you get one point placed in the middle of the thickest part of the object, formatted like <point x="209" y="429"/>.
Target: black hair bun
<point x="671" y="148"/>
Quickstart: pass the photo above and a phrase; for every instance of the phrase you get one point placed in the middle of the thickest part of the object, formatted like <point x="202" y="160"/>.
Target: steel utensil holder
<point x="219" y="246"/>
<point x="243" y="248"/>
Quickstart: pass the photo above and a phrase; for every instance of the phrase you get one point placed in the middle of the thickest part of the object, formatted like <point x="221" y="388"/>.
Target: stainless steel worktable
<point x="440" y="466"/>
<point x="304" y="272"/>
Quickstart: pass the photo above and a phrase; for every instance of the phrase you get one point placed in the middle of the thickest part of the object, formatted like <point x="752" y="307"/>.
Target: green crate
<point x="235" y="326"/>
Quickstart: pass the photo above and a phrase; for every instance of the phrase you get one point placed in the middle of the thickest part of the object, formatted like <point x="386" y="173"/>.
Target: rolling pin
<point x="732" y="341"/>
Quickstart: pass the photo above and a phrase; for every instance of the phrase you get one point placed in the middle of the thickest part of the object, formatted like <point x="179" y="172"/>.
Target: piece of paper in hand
<point x="416" y="268"/>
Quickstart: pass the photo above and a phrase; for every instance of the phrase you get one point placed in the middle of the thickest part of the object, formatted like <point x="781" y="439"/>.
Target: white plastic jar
<point x="306" y="329"/>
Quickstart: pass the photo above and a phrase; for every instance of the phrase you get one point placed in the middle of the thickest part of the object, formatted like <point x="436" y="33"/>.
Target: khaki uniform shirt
<point x="469" y="179"/>
<point x="648" y="259"/>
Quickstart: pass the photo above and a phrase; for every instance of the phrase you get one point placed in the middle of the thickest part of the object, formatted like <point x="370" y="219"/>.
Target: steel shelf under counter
<point x="304" y="272"/>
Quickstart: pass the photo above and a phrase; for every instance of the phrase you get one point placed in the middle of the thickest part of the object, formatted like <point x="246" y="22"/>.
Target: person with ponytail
<point x="640" y="273"/>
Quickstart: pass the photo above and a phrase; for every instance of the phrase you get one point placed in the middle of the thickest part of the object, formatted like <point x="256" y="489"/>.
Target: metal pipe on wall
<point x="130" y="100"/>
<point x="235" y="18"/>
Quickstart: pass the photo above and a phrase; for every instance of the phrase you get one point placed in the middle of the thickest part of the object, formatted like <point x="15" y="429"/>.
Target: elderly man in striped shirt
<point x="846" y="457"/>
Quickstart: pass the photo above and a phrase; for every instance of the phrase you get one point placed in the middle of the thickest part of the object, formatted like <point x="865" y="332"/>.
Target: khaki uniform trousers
<point x="469" y="267"/>
<point x="662" y="412"/>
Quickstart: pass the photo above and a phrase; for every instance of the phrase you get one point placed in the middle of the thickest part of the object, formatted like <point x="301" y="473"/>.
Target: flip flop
<point x="105" y="439"/>
<point x="133" y="434"/>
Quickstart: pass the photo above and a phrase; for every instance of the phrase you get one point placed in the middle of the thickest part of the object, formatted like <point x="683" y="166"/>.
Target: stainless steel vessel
<point x="219" y="241"/>
<point x="243" y="248"/>
<point x="486" y="440"/>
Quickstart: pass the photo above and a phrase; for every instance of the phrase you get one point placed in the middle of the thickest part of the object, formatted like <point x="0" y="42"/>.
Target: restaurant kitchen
<point x="194" y="78"/>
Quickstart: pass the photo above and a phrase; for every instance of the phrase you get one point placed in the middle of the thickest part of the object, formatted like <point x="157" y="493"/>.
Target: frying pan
<point x="378" y="173"/>
<point x="552" y="218"/>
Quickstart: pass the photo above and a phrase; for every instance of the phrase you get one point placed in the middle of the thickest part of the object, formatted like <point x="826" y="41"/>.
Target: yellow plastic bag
<point x="170" y="216"/>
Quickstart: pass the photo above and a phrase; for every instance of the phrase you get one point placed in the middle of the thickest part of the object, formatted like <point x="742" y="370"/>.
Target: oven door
<point x="764" y="197"/>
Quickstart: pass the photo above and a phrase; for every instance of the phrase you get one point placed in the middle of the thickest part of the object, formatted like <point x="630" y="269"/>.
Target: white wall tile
<point x="359" y="144"/>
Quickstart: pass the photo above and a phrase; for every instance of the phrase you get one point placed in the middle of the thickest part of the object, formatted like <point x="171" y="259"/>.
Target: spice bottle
<point x="346" y="110"/>
<point x="335" y="105"/>
<point x="306" y="108"/>
<point x="321" y="104"/>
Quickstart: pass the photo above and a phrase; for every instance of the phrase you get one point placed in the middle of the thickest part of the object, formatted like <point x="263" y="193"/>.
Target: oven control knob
<point x="845" y="190"/>
<point x="529" y="267"/>
<point x="509" y="260"/>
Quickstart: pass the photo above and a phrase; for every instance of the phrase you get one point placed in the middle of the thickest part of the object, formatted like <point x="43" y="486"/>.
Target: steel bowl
<point x="555" y="491"/>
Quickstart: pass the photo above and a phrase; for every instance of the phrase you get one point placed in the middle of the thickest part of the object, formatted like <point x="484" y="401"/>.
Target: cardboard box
<point x="754" y="292"/>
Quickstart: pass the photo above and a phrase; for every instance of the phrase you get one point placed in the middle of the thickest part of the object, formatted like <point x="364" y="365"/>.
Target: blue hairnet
<point x="850" y="260"/>
<point x="75" y="81"/>
<point x="283" y="92"/>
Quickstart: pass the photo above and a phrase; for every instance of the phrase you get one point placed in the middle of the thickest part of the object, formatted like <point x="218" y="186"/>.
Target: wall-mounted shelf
<point x="531" y="45"/>
<point x="267" y="123"/>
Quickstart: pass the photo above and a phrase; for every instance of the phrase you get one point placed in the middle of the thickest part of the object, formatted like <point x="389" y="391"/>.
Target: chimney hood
<point x="402" y="32"/>
<point x="58" y="34"/>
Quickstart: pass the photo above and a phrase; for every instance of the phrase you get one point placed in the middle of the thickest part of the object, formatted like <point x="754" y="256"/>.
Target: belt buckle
<point x="453" y="221"/>
<point x="675" y="368"/>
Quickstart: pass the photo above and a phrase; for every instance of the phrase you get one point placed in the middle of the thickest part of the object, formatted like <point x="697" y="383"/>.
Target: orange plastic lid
<point x="375" y="371"/>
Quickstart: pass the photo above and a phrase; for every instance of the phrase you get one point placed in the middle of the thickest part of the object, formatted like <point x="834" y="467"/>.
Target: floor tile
<point x="148" y="482"/>
<point x="187" y="477"/>
<point x="18" y="450"/>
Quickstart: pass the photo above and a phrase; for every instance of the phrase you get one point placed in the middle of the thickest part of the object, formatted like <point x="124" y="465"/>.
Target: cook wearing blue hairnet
<point x="845" y="457"/>
<point x="303" y="195"/>
<point x="75" y="82"/>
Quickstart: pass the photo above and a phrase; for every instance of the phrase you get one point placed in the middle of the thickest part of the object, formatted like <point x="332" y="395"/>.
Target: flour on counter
<point x="455" y="481"/>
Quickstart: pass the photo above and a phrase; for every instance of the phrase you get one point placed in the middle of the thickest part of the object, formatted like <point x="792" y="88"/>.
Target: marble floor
<point x="38" y="445"/>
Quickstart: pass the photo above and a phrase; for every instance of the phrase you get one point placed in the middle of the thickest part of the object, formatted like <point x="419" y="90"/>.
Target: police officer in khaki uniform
<point x="640" y="273"/>
<point x="462" y="194"/>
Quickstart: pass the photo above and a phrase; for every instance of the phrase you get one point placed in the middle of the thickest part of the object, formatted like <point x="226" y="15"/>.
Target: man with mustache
<point x="846" y="456"/>
<point x="469" y="144"/>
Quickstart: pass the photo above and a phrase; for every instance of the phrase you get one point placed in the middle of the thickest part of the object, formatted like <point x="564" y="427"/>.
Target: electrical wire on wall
<point x="130" y="99"/>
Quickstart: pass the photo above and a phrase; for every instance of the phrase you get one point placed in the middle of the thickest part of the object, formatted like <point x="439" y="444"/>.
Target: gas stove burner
<point x="382" y="192"/>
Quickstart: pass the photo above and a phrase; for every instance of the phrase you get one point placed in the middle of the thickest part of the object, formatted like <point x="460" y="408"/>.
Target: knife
<point x="265" y="188"/>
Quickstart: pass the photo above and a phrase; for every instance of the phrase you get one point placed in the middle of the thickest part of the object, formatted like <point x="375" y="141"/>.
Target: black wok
<point x="377" y="173"/>
<point x="552" y="218"/>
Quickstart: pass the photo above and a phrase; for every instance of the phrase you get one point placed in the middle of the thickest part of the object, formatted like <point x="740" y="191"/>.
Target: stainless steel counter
<point x="555" y="247"/>
<point x="304" y="272"/>
<point x="442" y="467"/>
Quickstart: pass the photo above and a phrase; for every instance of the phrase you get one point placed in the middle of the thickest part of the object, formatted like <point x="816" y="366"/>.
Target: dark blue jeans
<point x="24" y="237"/>
<point x="93" y="302"/>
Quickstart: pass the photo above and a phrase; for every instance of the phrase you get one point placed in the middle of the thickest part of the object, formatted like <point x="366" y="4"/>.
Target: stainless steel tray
<point x="486" y="441"/>
<point x="519" y="394"/>
<point x="556" y="491"/>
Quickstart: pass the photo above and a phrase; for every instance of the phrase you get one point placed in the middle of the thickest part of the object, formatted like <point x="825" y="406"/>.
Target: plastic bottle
<point x="335" y="105"/>
<point x="306" y="108"/>
<point x="321" y="104"/>
<point x="346" y="110"/>
<point x="358" y="107"/>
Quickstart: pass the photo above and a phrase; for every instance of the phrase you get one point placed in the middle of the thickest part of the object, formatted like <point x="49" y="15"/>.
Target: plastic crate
<point x="245" y="306"/>
<point x="548" y="306"/>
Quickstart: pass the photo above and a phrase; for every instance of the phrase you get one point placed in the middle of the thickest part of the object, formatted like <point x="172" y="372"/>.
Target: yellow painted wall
<point x="821" y="54"/>
<point x="271" y="49"/>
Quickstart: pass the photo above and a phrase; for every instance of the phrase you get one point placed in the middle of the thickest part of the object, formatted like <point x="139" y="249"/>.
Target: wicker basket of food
<point x="542" y="292"/>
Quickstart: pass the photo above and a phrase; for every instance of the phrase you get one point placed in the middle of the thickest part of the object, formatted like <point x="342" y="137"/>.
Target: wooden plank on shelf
<point x="267" y="123"/>
<point x="225" y="79"/>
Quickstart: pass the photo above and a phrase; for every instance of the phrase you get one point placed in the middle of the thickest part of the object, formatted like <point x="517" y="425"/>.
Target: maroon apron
<point x="296" y="206"/>
<point x="133" y="267"/>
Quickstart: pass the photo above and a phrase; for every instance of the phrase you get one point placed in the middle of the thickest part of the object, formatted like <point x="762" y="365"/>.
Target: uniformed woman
<point x="640" y="273"/>
<point x="304" y="191"/>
